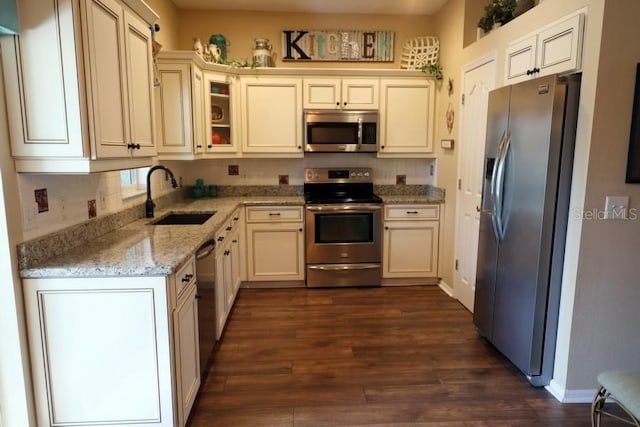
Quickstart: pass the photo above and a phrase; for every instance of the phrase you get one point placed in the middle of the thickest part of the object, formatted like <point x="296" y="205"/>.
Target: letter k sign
<point x="292" y="44"/>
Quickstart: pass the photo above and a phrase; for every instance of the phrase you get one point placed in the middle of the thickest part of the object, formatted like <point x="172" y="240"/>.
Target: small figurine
<point x="197" y="46"/>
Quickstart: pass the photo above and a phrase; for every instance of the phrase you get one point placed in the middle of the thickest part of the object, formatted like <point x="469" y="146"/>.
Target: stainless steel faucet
<point x="149" y="205"/>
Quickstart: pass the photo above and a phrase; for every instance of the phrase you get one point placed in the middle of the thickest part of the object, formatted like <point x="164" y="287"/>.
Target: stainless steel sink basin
<point x="180" y="218"/>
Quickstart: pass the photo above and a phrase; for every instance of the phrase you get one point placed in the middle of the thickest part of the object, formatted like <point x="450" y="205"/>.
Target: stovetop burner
<point x="339" y="186"/>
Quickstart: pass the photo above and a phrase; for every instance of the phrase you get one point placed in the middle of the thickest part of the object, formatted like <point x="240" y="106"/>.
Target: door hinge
<point x="459" y="184"/>
<point x="456" y="265"/>
<point x="463" y="99"/>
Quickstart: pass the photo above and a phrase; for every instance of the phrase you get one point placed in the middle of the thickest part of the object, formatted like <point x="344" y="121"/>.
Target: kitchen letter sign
<point x="339" y="45"/>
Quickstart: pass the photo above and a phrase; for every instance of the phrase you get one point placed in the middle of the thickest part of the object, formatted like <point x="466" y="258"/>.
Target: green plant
<point x="433" y="69"/>
<point x="497" y="12"/>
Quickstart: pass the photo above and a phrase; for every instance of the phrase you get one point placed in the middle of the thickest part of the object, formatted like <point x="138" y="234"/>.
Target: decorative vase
<point x="262" y="56"/>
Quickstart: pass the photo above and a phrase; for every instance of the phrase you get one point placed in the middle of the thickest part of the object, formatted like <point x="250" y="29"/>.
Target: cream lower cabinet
<point x="275" y="243"/>
<point x="113" y="351"/>
<point x="271" y="111"/>
<point x="80" y="82"/>
<point x="228" y="260"/>
<point x="407" y="113"/>
<point x="186" y="340"/>
<point x="410" y="241"/>
<point x="557" y="48"/>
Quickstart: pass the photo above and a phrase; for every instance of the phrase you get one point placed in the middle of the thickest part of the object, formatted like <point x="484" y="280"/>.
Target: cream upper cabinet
<point x="80" y="78"/>
<point x="556" y="48"/>
<point x="341" y="93"/>
<point x="271" y="111"/>
<point x="221" y="133"/>
<point x="407" y="112"/>
<point x="410" y="242"/>
<point x="180" y="124"/>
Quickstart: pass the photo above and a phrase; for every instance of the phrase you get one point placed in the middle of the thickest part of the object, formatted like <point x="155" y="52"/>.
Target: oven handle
<point x="342" y="267"/>
<point x="338" y="208"/>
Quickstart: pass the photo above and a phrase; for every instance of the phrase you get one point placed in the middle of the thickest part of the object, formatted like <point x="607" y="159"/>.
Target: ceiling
<point x="378" y="7"/>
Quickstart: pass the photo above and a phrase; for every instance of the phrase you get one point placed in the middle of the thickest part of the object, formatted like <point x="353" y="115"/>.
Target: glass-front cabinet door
<point x="220" y="114"/>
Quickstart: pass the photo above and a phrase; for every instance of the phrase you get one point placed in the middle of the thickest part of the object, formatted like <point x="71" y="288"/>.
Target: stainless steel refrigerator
<point x="523" y="219"/>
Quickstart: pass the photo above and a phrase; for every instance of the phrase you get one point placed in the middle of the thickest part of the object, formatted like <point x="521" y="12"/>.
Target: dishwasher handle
<point x="206" y="249"/>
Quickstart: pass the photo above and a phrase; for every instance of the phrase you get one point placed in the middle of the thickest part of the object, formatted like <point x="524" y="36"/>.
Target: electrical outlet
<point x="616" y="207"/>
<point x="401" y="179"/>
<point x="234" y="170"/>
<point x="283" y="179"/>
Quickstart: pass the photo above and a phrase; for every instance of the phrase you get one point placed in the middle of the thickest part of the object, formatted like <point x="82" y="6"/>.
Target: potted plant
<point x="497" y="12"/>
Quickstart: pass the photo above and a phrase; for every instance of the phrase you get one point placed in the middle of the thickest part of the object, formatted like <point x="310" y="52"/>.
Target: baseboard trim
<point x="570" y="396"/>
<point x="446" y="288"/>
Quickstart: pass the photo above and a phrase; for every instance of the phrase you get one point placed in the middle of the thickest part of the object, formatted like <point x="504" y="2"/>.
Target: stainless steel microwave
<point x="333" y="131"/>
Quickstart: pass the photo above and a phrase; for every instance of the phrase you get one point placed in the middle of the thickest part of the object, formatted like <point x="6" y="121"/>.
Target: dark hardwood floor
<point x="392" y="356"/>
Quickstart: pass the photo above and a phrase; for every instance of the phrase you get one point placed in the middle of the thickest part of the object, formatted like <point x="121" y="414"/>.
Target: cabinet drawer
<point x="409" y="212"/>
<point x="274" y="214"/>
<point x="184" y="276"/>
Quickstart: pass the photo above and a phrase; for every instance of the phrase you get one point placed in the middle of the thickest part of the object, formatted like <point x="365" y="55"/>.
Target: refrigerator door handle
<point x="499" y="199"/>
<point x="494" y="189"/>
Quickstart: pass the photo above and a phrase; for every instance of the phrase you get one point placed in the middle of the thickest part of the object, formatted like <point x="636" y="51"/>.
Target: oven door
<point x="343" y="233"/>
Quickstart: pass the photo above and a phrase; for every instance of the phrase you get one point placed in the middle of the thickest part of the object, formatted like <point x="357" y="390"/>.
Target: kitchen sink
<point x="179" y="218"/>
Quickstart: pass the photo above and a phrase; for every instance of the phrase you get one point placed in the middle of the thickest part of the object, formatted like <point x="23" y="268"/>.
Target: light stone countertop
<point x="141" y="249"/>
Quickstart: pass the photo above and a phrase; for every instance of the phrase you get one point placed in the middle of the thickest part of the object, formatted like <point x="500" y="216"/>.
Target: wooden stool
<point x="622" y="388"/>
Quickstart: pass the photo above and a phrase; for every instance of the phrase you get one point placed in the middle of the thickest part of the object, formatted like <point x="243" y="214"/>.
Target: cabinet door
<point x="410" y="249"/>
<point x="220" y="112"/>
<point x="272" y="115"/>
<point x="199" y="120"/>
<point x="173" y="107"/>
<point x="275" y="251"/>
<point x="187" y="352"/>
<point x="108" y="101"/>
<point x="560" y="47"/>
<point x="321" y="93"/>
<point x="139" y="68"/>
<point x="100" y="351"/>
<point x="43" y="82"/>
<point x="221" y="299"/>
<point x="520" y="58"/>
<point x="360" y="94"/>
<point x="407" y="116"/>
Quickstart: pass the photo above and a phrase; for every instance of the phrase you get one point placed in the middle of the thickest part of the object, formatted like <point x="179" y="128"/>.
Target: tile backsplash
<point x="270" y="171"/>
<point x="72" y="199"/>
<point x="69" y="198"/>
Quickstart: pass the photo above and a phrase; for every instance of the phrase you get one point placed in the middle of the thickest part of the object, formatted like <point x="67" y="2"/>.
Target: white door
<point x="477" y="80"/>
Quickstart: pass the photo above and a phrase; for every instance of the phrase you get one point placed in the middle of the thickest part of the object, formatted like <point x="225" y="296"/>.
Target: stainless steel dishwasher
<point x="206" y="274"/>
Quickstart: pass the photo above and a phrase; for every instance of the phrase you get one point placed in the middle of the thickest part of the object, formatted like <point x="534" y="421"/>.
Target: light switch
<point x="616" y="207"/>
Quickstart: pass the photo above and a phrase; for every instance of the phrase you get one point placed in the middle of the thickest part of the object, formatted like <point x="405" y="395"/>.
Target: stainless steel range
<point x="344" y="227"/>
